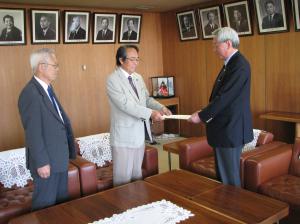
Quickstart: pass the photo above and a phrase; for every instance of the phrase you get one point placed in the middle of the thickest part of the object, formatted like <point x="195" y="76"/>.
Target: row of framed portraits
<point x="271" y="18"/>
<point x="45" y="27"/>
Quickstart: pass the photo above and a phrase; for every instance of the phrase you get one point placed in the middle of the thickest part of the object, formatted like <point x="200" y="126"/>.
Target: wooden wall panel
<point x="82" y="93"/>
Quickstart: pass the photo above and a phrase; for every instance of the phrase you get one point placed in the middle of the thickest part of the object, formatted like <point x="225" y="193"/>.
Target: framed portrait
<point x="271" y="16"/>
<point x="163" y="86"/>
<point x="45" y="26"/>
<point x="187" y="25"/>
<point x="76" y="26"/>
<point x="12" y="26"/>
<point x="238" y="17"/>
<point x="130" y="28"/>
<point x="104" y="30"/>
<point x="296" y="6"/>
<point x="210" y="20"/>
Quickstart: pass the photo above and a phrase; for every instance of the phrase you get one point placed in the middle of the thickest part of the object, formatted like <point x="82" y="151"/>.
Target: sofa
<point x="197" y="156"/>
<point x="16" y="200"/>
<point x="102" y="170"/>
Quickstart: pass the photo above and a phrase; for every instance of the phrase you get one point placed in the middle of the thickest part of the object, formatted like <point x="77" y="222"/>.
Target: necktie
<point x="129" y="33"/>
<point x="132" y="85"/>
<point x="51" y="94"/>
<point x="270" y="19"/>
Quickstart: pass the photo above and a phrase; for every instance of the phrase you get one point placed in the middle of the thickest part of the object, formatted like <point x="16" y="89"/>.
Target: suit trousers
<point x="227" y="162"/>
<point x="49" y="191"/>
<point x="127" y="164"/>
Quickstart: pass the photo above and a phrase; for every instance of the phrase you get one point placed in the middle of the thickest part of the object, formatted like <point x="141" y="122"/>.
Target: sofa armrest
<point x="73" y="182"/>
<point x="264" y="138"/>
<point x="193" y="149"/>
<point x="87" y="173"/>
<point x="266" y="166"/>
<point x="150" y="162"/>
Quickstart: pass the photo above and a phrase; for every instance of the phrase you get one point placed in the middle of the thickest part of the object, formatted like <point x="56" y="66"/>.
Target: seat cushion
<point x="285" y="188"/>
<point x="205" y="167"/>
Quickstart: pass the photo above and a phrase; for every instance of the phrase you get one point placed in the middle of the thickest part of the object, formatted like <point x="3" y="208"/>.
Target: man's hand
<point x="165" y="111"/>
<point x="156" y="116"/>
<point x="195" y="118"/>
<point x="44" y="171"/>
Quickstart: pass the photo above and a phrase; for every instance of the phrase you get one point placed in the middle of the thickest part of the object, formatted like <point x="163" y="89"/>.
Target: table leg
<point x="170" y="161"/>
<point x="297" y="134"/>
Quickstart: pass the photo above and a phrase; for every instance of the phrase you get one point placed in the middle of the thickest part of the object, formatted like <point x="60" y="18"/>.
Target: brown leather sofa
<point x="17" y="201"/>
<point x="277" y="174"/>
<point x="103" y="176"/>
<point x="197" y="156"/>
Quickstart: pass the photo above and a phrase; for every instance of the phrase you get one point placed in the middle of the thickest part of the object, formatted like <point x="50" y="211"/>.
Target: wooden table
<point x="118" y="200"/>
<point x="237" y="203"/>
<point x="285" y="116"/>
<point x="184" y="183"/>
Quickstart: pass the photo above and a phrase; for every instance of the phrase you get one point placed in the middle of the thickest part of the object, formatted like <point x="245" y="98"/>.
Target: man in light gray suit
<point x="48" y="133"/>
<point x="131" y="109"/>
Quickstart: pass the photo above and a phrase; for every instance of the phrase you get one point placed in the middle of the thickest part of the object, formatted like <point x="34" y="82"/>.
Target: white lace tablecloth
<point x="96" y="148"/>
<point x="160" y="212"/>
<point x="13" y="169"/>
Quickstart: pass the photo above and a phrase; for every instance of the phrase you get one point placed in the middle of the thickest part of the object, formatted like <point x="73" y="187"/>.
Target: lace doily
<point x="96" y="148"/>
<point x="13" y="169"/>
<point x="160" y="212"/>
<point x="251" y="145"/>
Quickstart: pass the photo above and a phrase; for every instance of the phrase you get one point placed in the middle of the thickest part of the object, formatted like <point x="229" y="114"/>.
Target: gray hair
<point x="226" y="33"/>
<point x="40" y="56"/>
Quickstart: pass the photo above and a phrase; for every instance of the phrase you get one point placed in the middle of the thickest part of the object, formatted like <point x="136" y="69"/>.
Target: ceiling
<point x="145" y="5"/>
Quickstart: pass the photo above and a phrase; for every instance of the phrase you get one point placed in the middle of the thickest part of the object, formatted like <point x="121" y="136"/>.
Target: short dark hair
<point x="269" y="2"/>
<point x="9" y="17"/>
<point x="210" y="12"/>
<point x="121" y="53"/>
<point x="129" y="20"/>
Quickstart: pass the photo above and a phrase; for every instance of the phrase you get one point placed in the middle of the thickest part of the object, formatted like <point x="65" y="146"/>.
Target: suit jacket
<point x="277" y="21"/>
<point x="133" y="35"/>
<point x="129" y="112"/>
<point x="208" y="30"/>
<point x="240" y="27"/>
<point x="50" y="34"/>
<point x="14" y="35"/>
<point x="80" y="34"/>
<point x="108" y="35"/>
<point x="188" y="32"/>
<point x="228" y="116"/>
<point x="49" y="140"/>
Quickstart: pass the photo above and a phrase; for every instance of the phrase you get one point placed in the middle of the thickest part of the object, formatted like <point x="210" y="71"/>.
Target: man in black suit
<point x="130" y="34"/>
<point x="228" y="116"/>
<point x="48" y="134"/>
<point x="10" y="33"/>
<point x="105" y="33"/>
<point x="211" y="26"/>
<point x="272" y="19"/>
<point x="45" y="32"/>
<point x="77" y="32"/>
<point x="238" y="23"/>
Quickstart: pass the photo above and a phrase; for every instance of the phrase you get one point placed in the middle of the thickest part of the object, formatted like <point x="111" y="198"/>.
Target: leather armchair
<point x="17" y="201"/>
<point x="94" y="179"/>
<point x="197" y="156"/>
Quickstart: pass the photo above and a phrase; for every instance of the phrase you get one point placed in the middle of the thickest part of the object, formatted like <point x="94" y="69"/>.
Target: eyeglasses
<point x="133" y="59"/>
<point x="54" y="66"/>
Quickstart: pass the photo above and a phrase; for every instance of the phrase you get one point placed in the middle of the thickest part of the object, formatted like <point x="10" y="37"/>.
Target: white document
<point x="177" y="117"/>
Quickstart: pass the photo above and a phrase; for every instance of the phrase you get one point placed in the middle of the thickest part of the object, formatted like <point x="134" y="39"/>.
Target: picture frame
<point x="271" y="16"/>
<point x="12" y="26"/>
<point x="104" y="28"/>
<point x="45" y="26"/>
<point x="163" y="86"/>
<point x="130" y="28"/>
<point x="238" y="17"/>
<point x="210" y="20"/>
<point x="187" y="25"/>
<point x="76" y="27"/>
<point x="296" y="10"/>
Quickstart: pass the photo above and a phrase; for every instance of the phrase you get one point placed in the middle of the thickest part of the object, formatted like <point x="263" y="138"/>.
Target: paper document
<point x="177" y="117"/>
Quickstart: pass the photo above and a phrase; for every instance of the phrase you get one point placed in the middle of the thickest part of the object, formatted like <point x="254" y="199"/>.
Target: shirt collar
<point x="42" y="83"/>
<point x="125" y="73"/>
<point x="227" y="59"/>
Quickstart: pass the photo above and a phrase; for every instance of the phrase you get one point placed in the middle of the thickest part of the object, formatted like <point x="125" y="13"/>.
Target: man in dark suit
<point x="228" y="116"/>
<point x="45" y="32"/>
<point x="272" y="19"/>
<point x="10" y="33"/>
<point x="77" y="32"/>
<point x="104" y="33"/>
<point x="238" y="23"/>
<point x="188" y="30"/>
<point x="130" y="34"/>
<point x="211" y="26"/>
<point x="48" y="134"/>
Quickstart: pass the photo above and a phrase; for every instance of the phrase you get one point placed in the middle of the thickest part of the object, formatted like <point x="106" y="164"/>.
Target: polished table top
<point x="118" y="200"/>
<point x="282" y="116"/>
